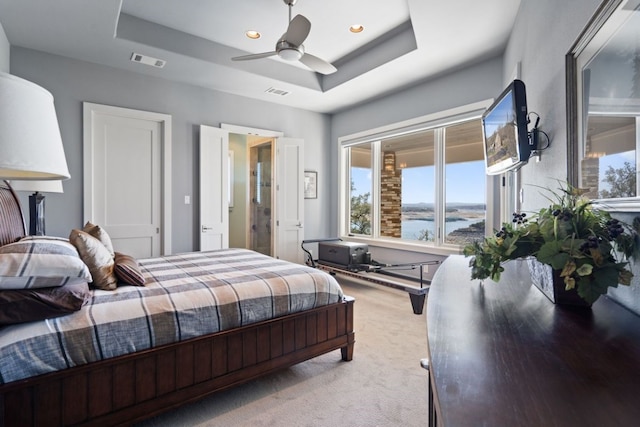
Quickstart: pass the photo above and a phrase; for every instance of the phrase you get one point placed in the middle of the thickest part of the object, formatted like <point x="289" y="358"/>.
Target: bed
<point x="161" y="361"/>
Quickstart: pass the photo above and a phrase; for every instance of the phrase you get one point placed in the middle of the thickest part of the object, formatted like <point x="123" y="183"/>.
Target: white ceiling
<point x="404" y="42"/>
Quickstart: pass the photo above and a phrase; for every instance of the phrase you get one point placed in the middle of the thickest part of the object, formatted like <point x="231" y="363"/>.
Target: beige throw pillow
<point x="100" y="234"/>
<point x="97" y="257"/>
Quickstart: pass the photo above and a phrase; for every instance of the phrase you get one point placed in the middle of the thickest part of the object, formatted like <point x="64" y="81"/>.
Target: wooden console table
<point x="501" y="354"/>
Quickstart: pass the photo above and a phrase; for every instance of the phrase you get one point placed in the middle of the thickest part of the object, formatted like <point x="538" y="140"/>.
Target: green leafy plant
<point x="590" y="248"/>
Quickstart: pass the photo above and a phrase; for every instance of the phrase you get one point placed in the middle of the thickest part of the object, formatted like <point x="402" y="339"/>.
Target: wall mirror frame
<point x="603" y="107"/>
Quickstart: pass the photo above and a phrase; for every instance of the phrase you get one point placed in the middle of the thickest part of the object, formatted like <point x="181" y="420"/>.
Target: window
<point x="407" y="184"/>
<point x="423" y="184"/>
<point x="360" y="196"/>
<point x="465" y="185"/>
<point x="604" y="108"/>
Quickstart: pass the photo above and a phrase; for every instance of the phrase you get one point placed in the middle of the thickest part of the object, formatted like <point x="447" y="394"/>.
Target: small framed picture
<point x="310" y="185"/>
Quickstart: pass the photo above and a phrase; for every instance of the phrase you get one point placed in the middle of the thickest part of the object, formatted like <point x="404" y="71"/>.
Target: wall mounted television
<point x="505" y="134"/>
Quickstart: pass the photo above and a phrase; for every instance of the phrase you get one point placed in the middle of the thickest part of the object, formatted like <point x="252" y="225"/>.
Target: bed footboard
<point x="130" y="388"/>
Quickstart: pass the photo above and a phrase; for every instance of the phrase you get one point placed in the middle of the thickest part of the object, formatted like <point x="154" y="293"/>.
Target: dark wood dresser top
<point x="502" y="354"/>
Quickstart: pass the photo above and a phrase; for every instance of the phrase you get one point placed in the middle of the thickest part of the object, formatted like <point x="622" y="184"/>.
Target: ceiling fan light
<point x="290" y="54"/>
<point x="252" y="34"/>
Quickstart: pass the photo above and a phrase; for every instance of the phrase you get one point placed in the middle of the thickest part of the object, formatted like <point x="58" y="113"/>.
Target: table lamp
<point x="36" y="201"/>
<point x="30" y="142"/>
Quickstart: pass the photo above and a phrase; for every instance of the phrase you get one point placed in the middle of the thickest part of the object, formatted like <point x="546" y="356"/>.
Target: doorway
<point x="286" y="179"/>
<point x="261" y="197"/>
<point x="251" y="186"/>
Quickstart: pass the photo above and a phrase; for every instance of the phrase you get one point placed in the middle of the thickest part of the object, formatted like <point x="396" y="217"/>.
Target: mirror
<point x="603" y="101"/>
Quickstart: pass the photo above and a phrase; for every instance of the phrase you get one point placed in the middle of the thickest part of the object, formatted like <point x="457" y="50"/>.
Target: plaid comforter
<point x="185" y="296"/>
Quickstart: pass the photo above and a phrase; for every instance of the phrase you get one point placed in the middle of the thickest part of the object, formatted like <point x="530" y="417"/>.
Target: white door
<point x="289" y="199"/>
<point x="214" y="188"/>
<point x="123" y="177"/>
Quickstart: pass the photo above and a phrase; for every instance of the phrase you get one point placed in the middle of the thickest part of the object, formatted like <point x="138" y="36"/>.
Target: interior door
<point x="123" y="188"/>
<point x="289" y="199"/>
<point x="214" y="188"/>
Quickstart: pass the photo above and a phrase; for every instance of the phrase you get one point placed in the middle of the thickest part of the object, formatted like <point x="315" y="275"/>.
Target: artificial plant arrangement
<point x="590" y="248"/>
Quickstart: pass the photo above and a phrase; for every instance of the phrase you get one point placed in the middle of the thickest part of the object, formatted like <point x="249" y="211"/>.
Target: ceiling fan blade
<point x="298" y="30"/>
<point x="316" y="64"/>
<point x="254" y="56"/>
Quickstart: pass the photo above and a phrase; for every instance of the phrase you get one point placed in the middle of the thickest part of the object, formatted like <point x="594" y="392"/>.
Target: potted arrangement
<point x="582" y="250"/>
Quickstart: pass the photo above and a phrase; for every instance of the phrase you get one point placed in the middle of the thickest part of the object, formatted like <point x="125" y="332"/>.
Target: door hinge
<point x="157" y="230"/>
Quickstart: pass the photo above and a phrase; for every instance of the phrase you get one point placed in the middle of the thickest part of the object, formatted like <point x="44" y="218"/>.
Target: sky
<point x="465" y="183"/>
<point x="501" y="114"/>
<point x="616" y="161"/>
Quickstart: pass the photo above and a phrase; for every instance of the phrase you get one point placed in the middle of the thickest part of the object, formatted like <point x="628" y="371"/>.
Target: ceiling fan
<point x="290" y="46"/>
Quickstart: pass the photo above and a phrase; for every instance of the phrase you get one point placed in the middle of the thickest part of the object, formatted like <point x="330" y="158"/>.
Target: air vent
<point x="275" y="91"/>
<point x="147" y="60"/>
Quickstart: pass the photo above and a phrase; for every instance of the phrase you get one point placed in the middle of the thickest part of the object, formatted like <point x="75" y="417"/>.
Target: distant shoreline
<point x="448" y="219"/>
<point x="452" y="215"/>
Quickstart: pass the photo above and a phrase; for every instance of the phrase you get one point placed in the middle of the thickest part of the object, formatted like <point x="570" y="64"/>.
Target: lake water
<point x="411" y="229"/>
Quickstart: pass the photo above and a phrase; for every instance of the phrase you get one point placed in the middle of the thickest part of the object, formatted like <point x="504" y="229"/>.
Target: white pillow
<point x="41" y="263"/>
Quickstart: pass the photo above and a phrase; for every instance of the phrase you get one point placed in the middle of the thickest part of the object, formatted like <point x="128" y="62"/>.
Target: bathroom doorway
<point x="282" y="179"/>
<point x="261" y="197"/>
<point x="251" y="186"/>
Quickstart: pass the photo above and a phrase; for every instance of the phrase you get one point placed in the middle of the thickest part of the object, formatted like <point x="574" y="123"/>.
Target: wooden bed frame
<point x="129" y="388"/>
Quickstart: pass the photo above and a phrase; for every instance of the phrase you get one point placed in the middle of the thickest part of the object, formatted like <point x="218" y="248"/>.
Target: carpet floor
<point x="383" y="385"/>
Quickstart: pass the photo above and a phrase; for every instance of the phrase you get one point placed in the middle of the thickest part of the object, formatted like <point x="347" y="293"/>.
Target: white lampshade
<point x="30" y="142"/>
<point x="38" y="186"/>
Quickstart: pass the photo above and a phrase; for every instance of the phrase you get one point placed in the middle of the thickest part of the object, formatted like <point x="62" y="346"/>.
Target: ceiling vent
<point x="147" y="60"/>
<point x="275" y="91"/>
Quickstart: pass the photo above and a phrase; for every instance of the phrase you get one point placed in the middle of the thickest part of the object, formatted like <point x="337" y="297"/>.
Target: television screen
<point x="506" y="141"/>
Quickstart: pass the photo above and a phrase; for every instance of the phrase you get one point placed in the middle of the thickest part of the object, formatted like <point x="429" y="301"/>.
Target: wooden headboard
<point x="12" y="226"/>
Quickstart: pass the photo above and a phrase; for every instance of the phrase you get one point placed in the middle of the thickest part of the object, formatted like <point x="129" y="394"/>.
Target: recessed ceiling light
<point x="253" y="34"/>
<point x="356" y="28"/>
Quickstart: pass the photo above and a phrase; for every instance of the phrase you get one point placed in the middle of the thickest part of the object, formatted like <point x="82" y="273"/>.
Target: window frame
<point x="435" y="121"/>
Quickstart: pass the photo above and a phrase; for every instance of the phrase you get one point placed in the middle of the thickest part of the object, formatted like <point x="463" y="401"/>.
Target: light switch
<point x="187" y="200"/>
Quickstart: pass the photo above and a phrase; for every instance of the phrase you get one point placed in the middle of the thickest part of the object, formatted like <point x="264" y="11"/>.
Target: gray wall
<point x="71" y="82"/>
<point x="4" y="51"/>
<point x="543" y="34"/>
